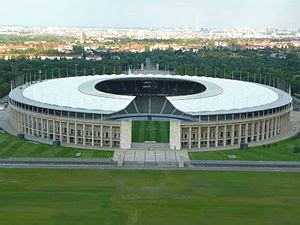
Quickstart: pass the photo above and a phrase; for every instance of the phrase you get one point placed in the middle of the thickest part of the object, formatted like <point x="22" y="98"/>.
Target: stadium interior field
<point x="158" y="131"/>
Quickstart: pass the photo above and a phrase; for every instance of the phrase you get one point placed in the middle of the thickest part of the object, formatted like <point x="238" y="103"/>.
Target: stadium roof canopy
<point x="221" y="95"/>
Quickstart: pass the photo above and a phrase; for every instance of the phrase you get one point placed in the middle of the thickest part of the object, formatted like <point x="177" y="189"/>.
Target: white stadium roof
<point x="220" y="96"/>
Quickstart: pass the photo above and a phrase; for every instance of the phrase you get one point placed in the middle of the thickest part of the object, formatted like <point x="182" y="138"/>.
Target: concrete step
<point x="146" y="157"/>
<point x="150" y="146"/>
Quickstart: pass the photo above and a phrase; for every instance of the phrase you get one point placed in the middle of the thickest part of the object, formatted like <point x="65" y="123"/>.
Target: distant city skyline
<point x="152" y="13"/>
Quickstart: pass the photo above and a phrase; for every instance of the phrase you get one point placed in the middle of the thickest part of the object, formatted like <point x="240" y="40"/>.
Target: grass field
<point x="11" y="147"/>
<point x="85" y="197"/>
<point x="158" y="131"/>
<point x="281" y="151"/>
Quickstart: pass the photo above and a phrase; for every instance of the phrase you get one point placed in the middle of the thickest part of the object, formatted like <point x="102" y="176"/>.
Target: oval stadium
<point x="150" y="111"/>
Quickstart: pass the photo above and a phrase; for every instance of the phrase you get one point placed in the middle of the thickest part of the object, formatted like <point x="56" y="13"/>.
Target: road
<point x="106" y="165"/>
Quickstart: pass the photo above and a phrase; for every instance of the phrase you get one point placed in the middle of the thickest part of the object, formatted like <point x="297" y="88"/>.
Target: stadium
<point x="153" y="111"/>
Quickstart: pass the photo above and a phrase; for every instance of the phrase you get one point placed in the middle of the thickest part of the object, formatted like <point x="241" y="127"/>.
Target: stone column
<point x="199" y="137"/>
<point x="75" y="127"/>
<point x="93" y="135"/>
<point x="15" y="120"/>
<point x="32" y="125"/>
<point x="225" y="136"/>
<point x="268" y="129"/>
<point x="125" y="134"/>
<point x="263" y="130"/>
<point x="68" y="132"/>
<point x="60" y="132"/>
<point x="83" y="134"/>
<point x="240" y="134"/>
<point x="217" y="136"/>
<point x="272" y="127"/>
<point x="208" y="137"/>
<point x="246" y="132"/>
<point x="110" y="136"/>
<point x="37" y="126"/>
<point x="258" y="131"/>
<point x="18" y="121"/>
<point x="21" y="121"/>
<point x="54" y="131"/>
<point x="101" y="136"/>
<point x="190" y="137"/>
<point x="175" y="135"/>
<point x="275" y="127"/>
<point x="280" y="125"/>
<point x="287" y="122"/>
<point x="252" y="131"/>
<point x="25" y="122"/>
<point x="232" y="134"/>
<point x="42" y="127"/>
<point x="48" y="131"/>
<point x="28" y="124"/>
<point x="38" y="131"/>
<point x="283" y="124"/>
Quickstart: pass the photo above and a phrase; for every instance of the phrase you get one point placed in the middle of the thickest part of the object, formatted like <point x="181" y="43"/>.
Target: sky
<point x="152" y="13"/>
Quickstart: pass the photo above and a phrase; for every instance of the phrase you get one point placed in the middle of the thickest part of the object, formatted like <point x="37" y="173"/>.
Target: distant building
<point x="93" y="58"/>
<point x="58" y="57"/>
<point x="65" y="48"/>
<point x="14" y="56"/>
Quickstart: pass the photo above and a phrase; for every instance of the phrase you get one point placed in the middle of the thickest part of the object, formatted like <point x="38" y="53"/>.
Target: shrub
<point x="297" y="150"/>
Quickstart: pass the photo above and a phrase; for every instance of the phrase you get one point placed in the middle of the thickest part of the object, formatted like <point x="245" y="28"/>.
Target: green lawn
<point x="158" y="131"/>
<point x="11" y="147"/>
<point x="87" y="197"/>
<point x="282" y="151"/>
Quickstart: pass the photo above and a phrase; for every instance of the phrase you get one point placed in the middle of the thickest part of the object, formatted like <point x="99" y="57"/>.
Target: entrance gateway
<point x="151" y="142"/>
<point x="150" y="135"/>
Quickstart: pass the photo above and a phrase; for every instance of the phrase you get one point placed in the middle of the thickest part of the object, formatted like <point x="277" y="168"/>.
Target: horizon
<point x="145" y="27"/>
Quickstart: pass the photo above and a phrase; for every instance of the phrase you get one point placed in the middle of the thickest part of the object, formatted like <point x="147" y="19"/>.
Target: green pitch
<point x="158" y="131"/>
<point x="88" y="197"/>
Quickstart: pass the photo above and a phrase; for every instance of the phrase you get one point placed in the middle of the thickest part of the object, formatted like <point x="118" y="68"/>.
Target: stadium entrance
<point x="150" y="131"/>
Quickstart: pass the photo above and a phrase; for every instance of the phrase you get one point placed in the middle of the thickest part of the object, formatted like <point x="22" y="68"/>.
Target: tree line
<point x="250" y="65"/>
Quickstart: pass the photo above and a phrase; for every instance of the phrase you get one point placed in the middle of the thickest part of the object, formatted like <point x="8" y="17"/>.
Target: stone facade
<point x="100" y="133"/>
<point x="103" y="134"/>
<point x="222" y="134"/>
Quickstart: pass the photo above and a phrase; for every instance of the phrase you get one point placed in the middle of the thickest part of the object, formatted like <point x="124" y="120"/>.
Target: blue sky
<point x="152" y="13"/>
